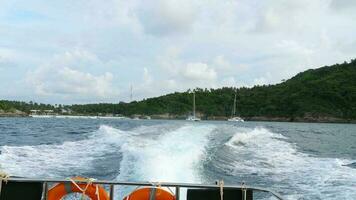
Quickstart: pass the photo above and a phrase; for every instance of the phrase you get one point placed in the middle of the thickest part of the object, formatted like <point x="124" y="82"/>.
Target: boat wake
<point x="261" y="153"/>
<point x="155" y="153"/>
<point x="61" y="160"/>
<point x="174" y="156"/>
<point x="187" y="152"/>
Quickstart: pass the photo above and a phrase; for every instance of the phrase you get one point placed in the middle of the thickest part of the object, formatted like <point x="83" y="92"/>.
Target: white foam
<point x="173" y="156"/>
<point x="271" y="156"/>
<point x="174" y="153"/>
<point x="59" y="160"/>
<point x="155" y="153"/>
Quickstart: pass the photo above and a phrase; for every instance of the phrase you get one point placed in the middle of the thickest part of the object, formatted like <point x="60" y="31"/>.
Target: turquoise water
<point x="299" y="160"/>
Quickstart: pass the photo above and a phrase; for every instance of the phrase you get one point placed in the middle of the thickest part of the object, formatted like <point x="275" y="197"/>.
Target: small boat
<point x="193" y="117"/>
<point x="233" y="117"/>
<point x="56" y="189"/>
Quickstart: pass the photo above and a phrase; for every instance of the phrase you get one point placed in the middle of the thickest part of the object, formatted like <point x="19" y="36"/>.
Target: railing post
<point x="45" y="190"/>
<point x="111" y="192"/>
<point x="177" y="192"/>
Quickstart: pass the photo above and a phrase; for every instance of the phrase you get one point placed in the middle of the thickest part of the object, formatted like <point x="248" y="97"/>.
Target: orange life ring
<point x="58" y="191"/>
<point x="145" y="193"/>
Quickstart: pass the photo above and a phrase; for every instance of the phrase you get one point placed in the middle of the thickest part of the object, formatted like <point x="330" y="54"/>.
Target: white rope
<point x="170" y="190"/>
<point x="89" y="181"/>
<point x="97" y="191"/>
<point x="221" y="185"/>
<point x="159" y="185"/>
<point x="137" y="187"/>
<point x="4" y="177"/>
<point x="243" y="190"/>
<point x="156" y="184"/>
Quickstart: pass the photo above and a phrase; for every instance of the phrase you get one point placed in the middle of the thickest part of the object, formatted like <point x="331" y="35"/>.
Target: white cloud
<point x="260" y="81"/>
<point x="265" y="79"/>
<point x="168" y="46"/>
<point x="147" y="78"/>
<point x="294" y="46"/>
<point x="7" y="56"/>
<point x="220" y="62"/>
<point x="170" y="61"/>
<point x="228" y="82"/>
<point x="173" y="64"/>
<point x="76" y="55"/>
<point x="64" y="78"/>
<point x="289" y="16"/>
<point x="199" y="72"/>
<point x="165" y="17"/>
<point x="226" y="68"/>
<point x="343" y="4"/>
<point x="66" y="82"/>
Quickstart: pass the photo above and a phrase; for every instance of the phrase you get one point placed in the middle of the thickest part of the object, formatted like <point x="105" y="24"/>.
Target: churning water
<point x="299" y="160"/>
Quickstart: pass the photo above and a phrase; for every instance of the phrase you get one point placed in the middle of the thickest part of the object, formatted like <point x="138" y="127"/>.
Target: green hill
<point x="323" y="94"/>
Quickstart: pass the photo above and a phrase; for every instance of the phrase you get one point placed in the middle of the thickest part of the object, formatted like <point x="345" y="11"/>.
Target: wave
<point x="170" y="156"/>
<point x="149" y="153"/>
<point x="263" y="153"/>
<point x="173" y="156"/>
<point x="178" y="152"/>
<point x="58" y="160"/>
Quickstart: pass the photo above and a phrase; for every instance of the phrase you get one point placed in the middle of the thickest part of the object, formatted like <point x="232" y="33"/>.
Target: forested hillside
<point x="327" y="93"/>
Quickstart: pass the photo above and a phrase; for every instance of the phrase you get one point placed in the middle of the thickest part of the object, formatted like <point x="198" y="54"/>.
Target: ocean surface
<point x="298" y="160"/>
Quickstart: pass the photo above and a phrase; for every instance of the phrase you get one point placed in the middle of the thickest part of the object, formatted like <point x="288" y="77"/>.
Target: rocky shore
<point x="167" y="116"/>
<point x="306" y="119"/>
<point x="14" y="113"/>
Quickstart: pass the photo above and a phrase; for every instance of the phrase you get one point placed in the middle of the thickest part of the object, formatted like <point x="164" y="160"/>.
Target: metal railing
<point x="177" y="186"/>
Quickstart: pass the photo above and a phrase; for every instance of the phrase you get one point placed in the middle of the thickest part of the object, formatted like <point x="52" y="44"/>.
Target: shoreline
<point x="176" y="117"/>
<point x="14" y="115"/>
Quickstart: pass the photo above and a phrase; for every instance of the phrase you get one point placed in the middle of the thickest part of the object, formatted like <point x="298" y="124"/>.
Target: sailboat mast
<point x="234" y="108"/>
<point x="194" y="103"/>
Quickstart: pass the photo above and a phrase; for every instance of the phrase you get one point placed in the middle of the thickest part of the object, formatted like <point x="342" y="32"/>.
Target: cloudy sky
<point x="83" y="51"/>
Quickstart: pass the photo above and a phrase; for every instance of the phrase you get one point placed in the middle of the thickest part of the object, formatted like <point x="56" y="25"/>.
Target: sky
<point x="91" y="51"/>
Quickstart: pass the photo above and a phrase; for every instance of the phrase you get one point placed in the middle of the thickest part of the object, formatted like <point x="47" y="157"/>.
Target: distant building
<point x="66" y="111"/>
<point x="42" y="112"/>
<point x="34" y="112"/>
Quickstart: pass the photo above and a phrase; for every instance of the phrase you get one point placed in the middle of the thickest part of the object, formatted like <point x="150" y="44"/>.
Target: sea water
<point x="298" y="160"/>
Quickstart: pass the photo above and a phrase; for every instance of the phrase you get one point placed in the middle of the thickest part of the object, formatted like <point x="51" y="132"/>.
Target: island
<point x="326" y="94"/>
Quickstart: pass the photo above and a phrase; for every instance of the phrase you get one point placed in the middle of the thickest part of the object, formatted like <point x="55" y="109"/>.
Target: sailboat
<point x="193" y="117"/>
<point x="235" y="118"/>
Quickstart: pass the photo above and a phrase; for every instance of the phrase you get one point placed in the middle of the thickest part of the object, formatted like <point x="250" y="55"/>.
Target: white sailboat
<point x="193" y="117"/>
<point x="235" y="118"/>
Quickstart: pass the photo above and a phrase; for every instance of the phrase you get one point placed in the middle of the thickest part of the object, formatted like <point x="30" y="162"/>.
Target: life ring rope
<point x="81" y="185"/>
<point x="4" y="177"/>
<point x="89" y="182"/>
<point x="159" y="185"/>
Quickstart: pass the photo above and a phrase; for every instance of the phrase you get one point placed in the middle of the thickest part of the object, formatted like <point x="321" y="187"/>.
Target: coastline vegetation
<point x="327" y="93"/>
